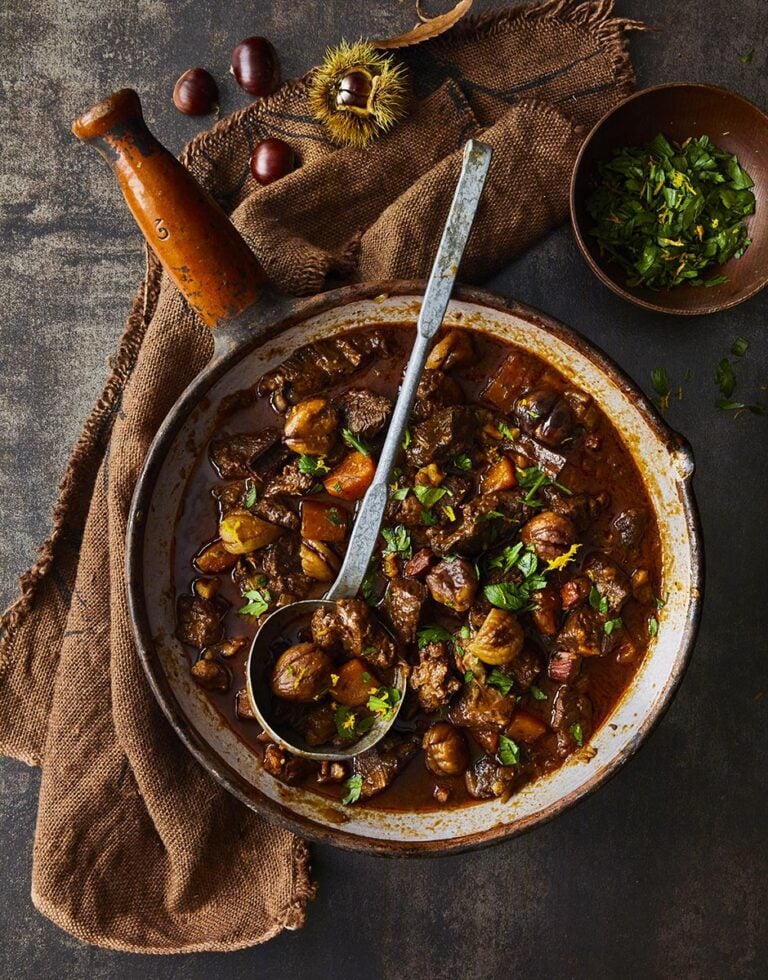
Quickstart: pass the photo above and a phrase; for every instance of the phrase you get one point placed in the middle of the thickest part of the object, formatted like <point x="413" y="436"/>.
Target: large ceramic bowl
<point x="666" y="466"/>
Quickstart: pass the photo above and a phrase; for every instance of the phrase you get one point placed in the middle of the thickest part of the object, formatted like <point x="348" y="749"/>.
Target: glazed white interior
<point x="663" y="469"/>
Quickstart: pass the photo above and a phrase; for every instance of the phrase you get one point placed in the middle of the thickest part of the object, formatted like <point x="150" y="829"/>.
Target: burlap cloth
<point x="136" y="846"/>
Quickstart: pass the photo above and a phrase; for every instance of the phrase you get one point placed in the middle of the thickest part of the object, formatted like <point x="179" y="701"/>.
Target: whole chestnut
<point x="354" y="91"/>
<point x="196" y="93"/>
<point x="255" y="66"/>
<point x="445" y="749"/>
<point x="271" y="160"/>
<point x="453" y="583"/>
<point x="311" y="427"/>
<point x="302" y="673"/>
<point x="549" y="534"/>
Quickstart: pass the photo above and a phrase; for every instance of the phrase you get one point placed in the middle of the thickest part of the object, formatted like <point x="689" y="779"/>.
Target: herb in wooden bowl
<point x="668" y="212"/>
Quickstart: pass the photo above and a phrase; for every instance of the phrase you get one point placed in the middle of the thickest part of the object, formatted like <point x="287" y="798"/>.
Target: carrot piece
<point x="214" y="559"/>
<point x="352" y="477"/>
<point x="525" y="727"/>
<point x="322" y="522"/>
<point x="500" y="476"/>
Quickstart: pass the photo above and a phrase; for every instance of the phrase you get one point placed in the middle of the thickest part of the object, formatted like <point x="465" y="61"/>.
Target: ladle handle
<point x="362" y="541"/>
<point x="198" y="245"/>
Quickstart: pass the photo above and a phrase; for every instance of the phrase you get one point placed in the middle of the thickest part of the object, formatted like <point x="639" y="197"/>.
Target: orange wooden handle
<point x="198" y="245"/>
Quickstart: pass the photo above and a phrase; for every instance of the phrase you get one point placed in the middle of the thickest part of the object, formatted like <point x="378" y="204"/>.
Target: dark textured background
<point x="664" y="871"/>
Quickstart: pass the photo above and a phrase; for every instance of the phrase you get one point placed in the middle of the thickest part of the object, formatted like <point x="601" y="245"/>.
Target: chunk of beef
<point x="363" y="412"/>
<point x="564" y="666"/>
<point x="432" y="679"/>
<point x="420" y="564"/>
<point x="485" y="519"/>
<point x="317" y="367"/>
<point x="403" y="602"/>
<point x="444" y="434"/>
<point x="546" y="615"/>
<point x="243" y="709"/>
<point x="479" y="706"/>
<point x="277" y="568"/>
<point x="544" y="414"/>
<point x="580" y="508"/>
<point x="229" y="496"/>
<point x="351" y="626"/>
<point x="487" y="740"/>
<point x="210" y="673"/>
<point x="610" y="580"/>
<point x="290" y="769"/>
<point x="436" y="391"/>
<point x="582" y="633"/>
<point x="575" y="592"/>
<point x="515" y="374"/>
<point x="379" y="766"/>
<point x="289" y="481"/>
<point x="629" y="526"/>
<point x="198" y="621"/>
<point x="459" y="487"/>
<point x="234" y="456"/>
<point x="276" y="511"/>
<point x="525" y="668"/>
<point x="548" y="461"/>
<point x="453" y="584"/>
<point x="487" y="779"/>
<point x="569" y="708"/>
<point x="408" y="512"/>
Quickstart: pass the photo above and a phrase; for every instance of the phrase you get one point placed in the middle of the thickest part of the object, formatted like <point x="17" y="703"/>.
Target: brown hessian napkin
<point x="136" y="846"/>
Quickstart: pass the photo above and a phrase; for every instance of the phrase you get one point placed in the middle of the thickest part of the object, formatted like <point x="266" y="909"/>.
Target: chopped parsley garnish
<point x="398" y="541"/>
<point x="334" y="517"/>
<point x="740" y="346"/>
<point x="506" y="560"/>
<point x="407" y="438"/>
<point x="258" y="602"/>
<point x="355" y="442"/>
<point x="349" y="725"/>
<point x="725" y="379"/>
<point x="660" y="382"/>
<point x="384" y="702"/>
<point x="668" y="212"/>
<point x="400" y="493"/>
<point x="368" y="587"/>
<point x="251" y="494"/>
<point x="465" y="632"/>
<point x="597" y="601"/>
<point x="468" y="677"/>
<point x="513" y="596"/>
<point x="746" y="58"/>
<point x="738" y="408"/>
<point x="577" y="732"/>
<point x="429" y="518"/>
<point x="429" y="496"/>
<point x="612" y="625"/>
<point x="533" y="479"/>
<point x="313" y="465"/>
<point x="509" y="751"/>
<point x="502" y="682"/>
<point x="354" y="788"/>
<point x="537" y="694"/>
<point x="660" y="603"/>
<point x="462" y="461"/>
<point x="505" y="430"/>
<point x="653" y="626"/>
<point x="433" y="634"/>
<point x="366" y="677"/>
<point x="510" y="597"/>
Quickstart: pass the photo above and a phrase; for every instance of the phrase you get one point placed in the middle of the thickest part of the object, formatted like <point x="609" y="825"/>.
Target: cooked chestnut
<point x="210" y="674"/>
<point x="499" y="640"/>
<point x="445" y="749"/>
<point x="453" y="583"/>
<point x="255" y="66"/>
<point x="319" y="725"/>
<point x="311" y="427"/>
<point x="318" y="561"/>
<point x="354" y="683"/>
<point x="546" y="615"/>
<point x="242" y="532"/>
<point x="452" y="350"/>
<point x="545" y="414"/>
<point x="272" y="159"/>
<point x="549" y="534"/>
<point x="302" y="673"/>
<point x="214" y="558"/>
<point x="196" y="93"/>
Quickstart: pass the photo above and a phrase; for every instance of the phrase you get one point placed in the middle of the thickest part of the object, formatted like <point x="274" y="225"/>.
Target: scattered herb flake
<point x="509" y="751"/>
<point x="612" y="625"/>
<point x="577" y="733"/>
<point x="468" y="677"/>
<point x="251" y="494"/>
<point x="258" y="602"/>
<point x="334" y="517"/>
<point x="597" y="601"/>
<point x="354" y="788"/>
<point x="740" y="347"/>
<point x="537" y="693"/>
<point x="398" y="541"/>
<point x="449" y="512"/>
<point x="384" y="702"/>
<point x="725" y="379"/>
<point x="502" y="682"/>
<point x="355" y="442"/>
<point x="429" y="496"/>
<point x="407" y="438"/>
<point x="653" y="626"/>
<point x="747" y="56"/>
<point x="462" y="461"/>
<point x="313" y="465"/>
<point x="433" y="634"/>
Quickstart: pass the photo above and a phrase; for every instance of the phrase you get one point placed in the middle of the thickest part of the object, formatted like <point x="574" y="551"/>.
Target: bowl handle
<point x="198" y="245"/>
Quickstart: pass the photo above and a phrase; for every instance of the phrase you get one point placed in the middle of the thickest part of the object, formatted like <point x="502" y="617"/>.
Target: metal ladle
<point x="365" y="533"/>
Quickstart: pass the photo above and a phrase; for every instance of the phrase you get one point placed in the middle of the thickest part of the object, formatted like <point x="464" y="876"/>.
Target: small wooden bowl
<point x="678" y="111"/>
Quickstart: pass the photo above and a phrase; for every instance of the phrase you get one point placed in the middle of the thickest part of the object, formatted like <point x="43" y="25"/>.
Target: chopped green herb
<point x="366" y="677"/>
<point x="334" y="517"/>
<point x="429" y="496"/>
<point x="653" y="626"/>
<point x="537" y="694"/>
<point x="509" y="751"/>
<point x="502" y="682"/>
<point x="355" y="442"/>
<point x="505" y="430"/>
<point x="462" y="461"/>
<point x="338" y="487"/>
<point x="668" y="212"/>
<point x="354" y="788"/>
<point x="725" y="379"/>
<point x="738" y="408"/>
<point x="468" y="677"/>
<point x="577" y="733"/>
<point x="660" y="603"/>
<point x="368" y="587"/>
<point x="597" y="601"/>
<point x="746" y="58"/>
<point x="313" y="465"/>
<point x="428" y="518"/>
<point x="507" y="559"/>
<point x="401" y="493"/>
<point x="384" y="702"/>
<point x="407" y="438"/>
<point x="465" y="632"/>
<point x="251" y="494"/>
<point x="740" y="346"/>
<point x="612" y="624"/>
<point x="258" y="602"/>
<point x="533" y="479"/>
<point x="508" y="596"/>
<point x="660" y="382"/>
<point x="449" y="512"/>
<point x="433" y="634"/>
<point x="398" y="541"/>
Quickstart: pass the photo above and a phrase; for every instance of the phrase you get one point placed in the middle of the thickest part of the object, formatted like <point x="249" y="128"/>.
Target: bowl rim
<point x="233" y="347"/>
<point x="614" y="286"/>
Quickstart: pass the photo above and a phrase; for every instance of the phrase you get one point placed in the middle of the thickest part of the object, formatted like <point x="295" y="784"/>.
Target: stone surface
<point x="662" y="873"/>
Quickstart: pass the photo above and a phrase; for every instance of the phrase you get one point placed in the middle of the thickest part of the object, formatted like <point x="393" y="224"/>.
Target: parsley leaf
<point x="740" y="346"/>
<point x="400" y="493"/>
<point x="398" y="541"/>
<point x="462" y="461"/>
<point x="725" y="379"/>
<point x="505" y="430"/>
<point x="251" y="496"/>
<point x="508" y="596"/>
<point x="433" y="634"/>
<point x="258" y="602"/>
<point x="509" y="751"/>
<point x="355" y="442"/>
<point x="537" y="693"/>
<point x="746" y="58"/>
<point x="533" y="479"/>
<point x="429" y="496"/>
<point x="613" y="624"/>
<point x="407" y="438"/>
<point x="577" y="732"/>
<point x="653" y="626"/>
<point x="313" y="465"/>
<point x="502" y="682"/>
<point x="368" y="587"/>
<point x="660" y="382"/>
<point x="597" y="601"/>
<point x="384" y="702"/>
<point x="333" y="515"/>
<point x="354" y="788"/>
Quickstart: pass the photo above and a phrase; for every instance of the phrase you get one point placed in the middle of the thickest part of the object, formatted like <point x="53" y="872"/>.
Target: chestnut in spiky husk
<point x="358" y="93"/>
